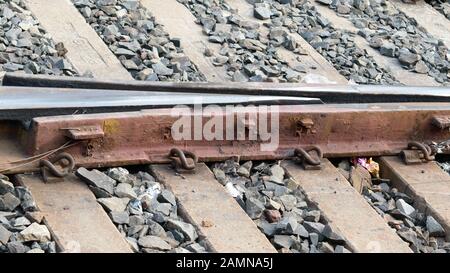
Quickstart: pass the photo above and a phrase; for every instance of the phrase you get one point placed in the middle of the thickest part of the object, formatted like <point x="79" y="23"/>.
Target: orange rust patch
<point x="110" y="126"/>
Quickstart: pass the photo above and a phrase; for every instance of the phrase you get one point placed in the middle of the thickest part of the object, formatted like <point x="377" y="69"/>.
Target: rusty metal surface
<point x="346" y="210"/>
<point x="311" y="157"/>
<point x="203" y="200"/>
<point x="329" y="93"/>
<point x="426" y="183"/>
<point x="57" y="167"/>
<point x="183" y="160"/>
<point x="74" y="217"/>
<point x="146" y="137"/>
<point x="442" y="122"/>
<point x="84" y="132"/>
<point x="417" y="153"/>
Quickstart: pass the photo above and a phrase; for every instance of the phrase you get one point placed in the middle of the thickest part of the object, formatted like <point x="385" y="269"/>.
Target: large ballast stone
<point x="35" y="232"/>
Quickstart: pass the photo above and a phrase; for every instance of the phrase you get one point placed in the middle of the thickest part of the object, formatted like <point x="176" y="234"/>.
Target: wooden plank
<point x="312" y="59"/>
<point x="86" y="50"/>
<point x="201" y="199"/>
<point x="427" y="183"/>
<point x="346" y="210"/>
<point x="179" y="22"/>
<point x="427" y="17"/>
<point x="389" y="64"/>
<point x="77" y="222"/>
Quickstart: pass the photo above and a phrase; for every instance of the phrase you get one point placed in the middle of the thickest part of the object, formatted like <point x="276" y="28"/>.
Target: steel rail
<point x="326" y="92"/>
<point x="143" y="137"/>
<point x="22" y="103"/>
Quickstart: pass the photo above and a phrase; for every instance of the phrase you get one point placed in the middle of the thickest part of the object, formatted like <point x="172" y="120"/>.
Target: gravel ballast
<point x="251" y="52"/>
<point x="336" y="46"/>
<point x="143" y="210"/>
<point x="138" y="41"/>
<point x="397" y="36"/>
<point x="248" y="51"/>
<point x="421" y="231"/>
<point x="443" y="6"/>
<point x="278" y="207"/>
<point x="19" y="232"/>
<point x="26" y="47"/>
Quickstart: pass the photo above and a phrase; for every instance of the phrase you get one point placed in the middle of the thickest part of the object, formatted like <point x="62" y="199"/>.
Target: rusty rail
<point x="146" y="136"/>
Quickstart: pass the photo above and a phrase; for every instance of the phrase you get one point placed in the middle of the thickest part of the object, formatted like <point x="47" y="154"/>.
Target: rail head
<point x="329" y="93"/>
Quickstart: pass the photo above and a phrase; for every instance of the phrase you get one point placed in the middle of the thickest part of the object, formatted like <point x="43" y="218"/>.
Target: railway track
<point x="313" y="206"/>
<point x="91" y="162"/>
